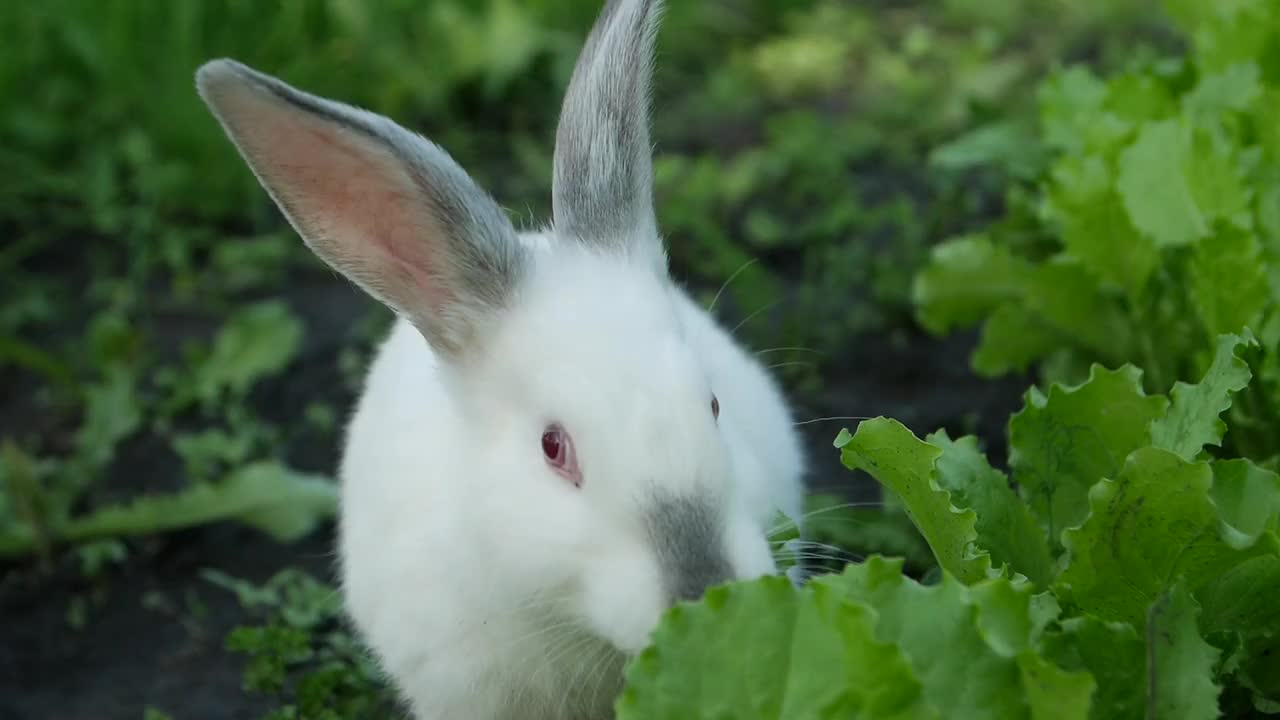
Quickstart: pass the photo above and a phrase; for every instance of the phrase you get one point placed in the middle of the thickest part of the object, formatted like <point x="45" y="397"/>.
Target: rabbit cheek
<point x="622" y="597"/>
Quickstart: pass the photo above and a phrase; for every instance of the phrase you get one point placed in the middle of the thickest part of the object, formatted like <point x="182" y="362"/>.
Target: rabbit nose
<point x="688" y="539"/>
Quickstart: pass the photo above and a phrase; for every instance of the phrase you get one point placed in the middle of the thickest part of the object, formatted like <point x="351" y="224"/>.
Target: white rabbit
<point x="539" y="465"/>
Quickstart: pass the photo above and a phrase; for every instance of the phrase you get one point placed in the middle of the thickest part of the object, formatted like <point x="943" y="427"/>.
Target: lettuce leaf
<point x="1180" y="675"/>
<point x="763" y="650"/>
<point x="1005" y="526"/>
<point x="1175" y="181"/>
<point x="862" y="644"/>
<point x="890" y="453"/>
<point x="1193" y="421"/>
<point x="1062" y="443"/>
<point x="966" y="278"/>
<point x="1152" y="526"/>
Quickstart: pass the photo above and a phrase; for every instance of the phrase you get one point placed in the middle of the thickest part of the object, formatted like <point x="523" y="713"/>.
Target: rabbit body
<point x="554" y="444"/>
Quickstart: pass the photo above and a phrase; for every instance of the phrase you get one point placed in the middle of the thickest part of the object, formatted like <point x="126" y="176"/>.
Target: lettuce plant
<point x="1126" y="572"/>
<point x="1153" y="228"/>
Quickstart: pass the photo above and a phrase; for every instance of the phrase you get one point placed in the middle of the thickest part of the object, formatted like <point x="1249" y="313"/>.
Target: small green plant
<point x="300" y="654"/>
<point x="1130" y="573"/>
<point x="42" y="499"/>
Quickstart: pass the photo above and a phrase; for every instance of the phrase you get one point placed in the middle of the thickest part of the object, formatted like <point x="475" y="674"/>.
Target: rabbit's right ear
<point x="381" y="205"/>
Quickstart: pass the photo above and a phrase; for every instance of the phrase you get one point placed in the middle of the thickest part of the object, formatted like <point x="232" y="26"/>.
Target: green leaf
<point x="1260" y="672"/>
<point x="1236" y="88"/>
<point x="1152" y="525"/>
<point x="1181" y="664"/>
<point x="203" y="452"/>
<point x="991" y="666"/>
<point x="1175" y="182"/>
<point x="1192" y="421"/>
<point x="1229" y="281"/>
<point x="112" y="413"/>
<point x="1242" y="601"/>
<point x="1006" y="145"/>
<point x="258" y="341"/>
<point x="966" y="278"/>
<point x="1067" y="298"/>
<point x="1095" y="224"/>
<point x="1011" y="339"/>
<point x="272" y="649"/>
<point x="284" y="503"/>
<point x="1248" y="498"/>
<point x="1138" y="97"/>
<point x="299" y="599"/>
<point x="761" y="649"/>
<point x="1004" y="525"/>
<point x="1113" y="654"/>
<point x="1269" y="140"/>
<point x="904" y="464"/>
<point x="1063" y="443"/>
<point x="1216" y="179"/>
<point x="1227" y="32"/>
<point x="1069" y="100"/>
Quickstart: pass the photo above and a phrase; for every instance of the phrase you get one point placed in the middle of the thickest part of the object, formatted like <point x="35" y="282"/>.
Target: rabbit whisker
<point x="832" y="417"/>
<point x="750" y="317"/>
<point x="791" y="523"/>
<point x="736" y="273"/>
<point x="789" y="349"/>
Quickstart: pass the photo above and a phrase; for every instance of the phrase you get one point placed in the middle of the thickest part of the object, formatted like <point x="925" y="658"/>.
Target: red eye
<point x="553" y="445"/>
<point x="557" y="448"/>
<point x="715" y="407"/>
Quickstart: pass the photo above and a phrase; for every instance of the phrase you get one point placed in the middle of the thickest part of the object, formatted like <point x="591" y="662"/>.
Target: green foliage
<point x="862" y="644"/>
<point x="804" y="187"/>
<point x="285" y="504"/>
<point x="300" y="654"/>
<point x="1150" y="230"/>
<point x="1126" y="573"/>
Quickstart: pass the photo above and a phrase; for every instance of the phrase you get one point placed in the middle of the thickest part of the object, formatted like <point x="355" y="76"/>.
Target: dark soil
<point x="154" y="628"/>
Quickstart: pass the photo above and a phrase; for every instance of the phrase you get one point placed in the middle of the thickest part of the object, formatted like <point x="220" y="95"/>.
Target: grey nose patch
<point x="687" y="537"/>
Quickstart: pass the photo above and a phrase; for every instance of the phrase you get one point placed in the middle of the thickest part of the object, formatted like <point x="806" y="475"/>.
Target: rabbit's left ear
<point x="383" y="206"/>
<point x="602" y="192"/>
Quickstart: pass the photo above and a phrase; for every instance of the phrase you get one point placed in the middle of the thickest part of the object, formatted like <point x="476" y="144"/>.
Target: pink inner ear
<point x="355" y="203"/>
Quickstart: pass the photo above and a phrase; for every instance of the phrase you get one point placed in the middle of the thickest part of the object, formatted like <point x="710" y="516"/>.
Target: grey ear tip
<point x="216" y="73"/>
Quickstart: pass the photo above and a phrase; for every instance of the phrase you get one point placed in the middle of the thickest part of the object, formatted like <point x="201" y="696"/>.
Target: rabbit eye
<point x="715" y="406"/>
<point x="557" y="448"/>
<point x="553" y="445"/>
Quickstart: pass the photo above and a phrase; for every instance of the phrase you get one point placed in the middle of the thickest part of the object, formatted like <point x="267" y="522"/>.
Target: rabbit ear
<point x="388" y="209"/>
<point x="602" y="190"/>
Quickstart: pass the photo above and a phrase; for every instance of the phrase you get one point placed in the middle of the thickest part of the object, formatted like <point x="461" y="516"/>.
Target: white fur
<point x="490" y="587"/>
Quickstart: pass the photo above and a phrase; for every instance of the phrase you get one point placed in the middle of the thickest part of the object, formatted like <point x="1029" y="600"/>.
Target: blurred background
<point x="175" y="366"/>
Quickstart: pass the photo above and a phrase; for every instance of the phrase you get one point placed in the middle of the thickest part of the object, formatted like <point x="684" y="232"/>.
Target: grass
<point x="163" y="334"/>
